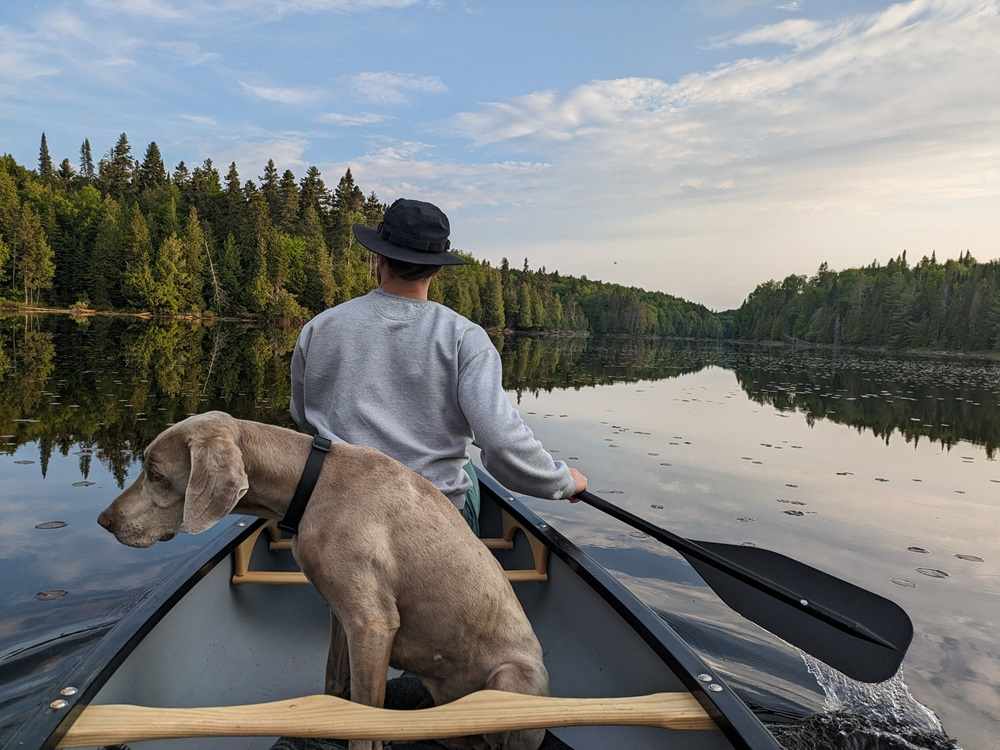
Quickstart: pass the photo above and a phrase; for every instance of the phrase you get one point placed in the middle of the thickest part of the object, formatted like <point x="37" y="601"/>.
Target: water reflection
<point x="81" y="398"/>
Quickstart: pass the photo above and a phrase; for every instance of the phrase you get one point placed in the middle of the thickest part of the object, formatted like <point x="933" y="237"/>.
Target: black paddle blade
<point x="871" y="651"/>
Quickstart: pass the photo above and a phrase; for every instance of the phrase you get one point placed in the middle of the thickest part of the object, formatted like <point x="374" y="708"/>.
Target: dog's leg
<point x="515" y="677"/>
<point x="370" y="647"/>
<point x="338" y="665"/>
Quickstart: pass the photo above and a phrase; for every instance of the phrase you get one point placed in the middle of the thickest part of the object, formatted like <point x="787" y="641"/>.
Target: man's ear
<point x="218" y="480"/>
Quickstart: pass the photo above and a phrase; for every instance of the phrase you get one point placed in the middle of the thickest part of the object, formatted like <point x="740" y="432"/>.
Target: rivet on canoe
<point x="715" y="687"/>
<point x="804" y="602"/>
<point x="58" y="703"/>
<point x="242" y="523"/>
<point x="68" y="691"/>
<point x="705" y="677"/>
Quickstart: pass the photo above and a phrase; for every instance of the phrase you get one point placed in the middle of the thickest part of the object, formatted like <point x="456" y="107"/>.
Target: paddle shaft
<point x="750" y="577"/>
<point x="483" y="712"/>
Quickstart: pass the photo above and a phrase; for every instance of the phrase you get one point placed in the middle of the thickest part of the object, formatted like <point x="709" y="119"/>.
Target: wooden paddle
<point x="486" y="711"/>
<point x="863" y="635"/>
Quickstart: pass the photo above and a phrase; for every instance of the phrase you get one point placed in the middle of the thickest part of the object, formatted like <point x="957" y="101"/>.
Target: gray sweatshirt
<point x="417" y="381"/>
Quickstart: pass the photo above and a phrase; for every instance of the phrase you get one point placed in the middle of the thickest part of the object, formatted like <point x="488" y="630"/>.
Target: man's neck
<point x="402" y="288"/>
<point x="273" y="458"/>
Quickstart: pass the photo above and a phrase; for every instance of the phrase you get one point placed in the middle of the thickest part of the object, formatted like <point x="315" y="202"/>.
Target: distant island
<point x="126" y="235"/>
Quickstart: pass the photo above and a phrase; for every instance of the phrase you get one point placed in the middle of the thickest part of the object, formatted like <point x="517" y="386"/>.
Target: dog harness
<point x="307" y="482"/>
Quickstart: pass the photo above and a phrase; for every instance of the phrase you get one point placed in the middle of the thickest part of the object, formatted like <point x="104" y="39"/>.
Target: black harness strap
<point x="304" y="490"/>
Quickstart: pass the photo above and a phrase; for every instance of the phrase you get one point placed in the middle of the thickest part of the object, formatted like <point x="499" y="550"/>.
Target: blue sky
<point x="692" y="147"/>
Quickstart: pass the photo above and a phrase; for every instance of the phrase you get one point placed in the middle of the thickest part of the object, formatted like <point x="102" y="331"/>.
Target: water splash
<point x="859" y="716"/>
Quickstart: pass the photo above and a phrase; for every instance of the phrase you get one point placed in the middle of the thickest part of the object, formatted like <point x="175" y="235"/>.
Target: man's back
<point x="414" y="379"/>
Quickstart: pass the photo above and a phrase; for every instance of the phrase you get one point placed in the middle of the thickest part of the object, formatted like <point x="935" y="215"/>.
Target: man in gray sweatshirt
<point x="416" y="380"/>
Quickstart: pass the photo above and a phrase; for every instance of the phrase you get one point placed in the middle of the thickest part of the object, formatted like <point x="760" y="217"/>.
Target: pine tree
<point x="116" y="170"/>
<point x="45" y="170"/>
<point x="231" y="270"/>
<point x="288" y="213"/>
<point x="319" y="291"/>
<point x="137" y="281"/>
<point x="270" y="188"/>
<point x="66" y="173"/>
<point x="525" y="306"/>
<point x="86" y="162"/>
<point x="5" y="255"/>
<point x="235" y="203"/>
<point x="195" y="262"/>
<point x="255" y="255"/>
<point x="171" y="281"/>
<point x="493" y="308"/>
<point x="181" y="177"/>
<point x="152" y="174"/>
<point x="312" y="192"/>
<point x="373" y="211"/>
<point x="36" y="258"/>
<point x="104" y="274"/>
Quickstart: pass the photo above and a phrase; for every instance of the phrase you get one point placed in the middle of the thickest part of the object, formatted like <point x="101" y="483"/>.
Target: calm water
<point x="879" y="470"/>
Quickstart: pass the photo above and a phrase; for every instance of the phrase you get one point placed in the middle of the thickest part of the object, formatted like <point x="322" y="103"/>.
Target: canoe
<point x="233" y="627"/>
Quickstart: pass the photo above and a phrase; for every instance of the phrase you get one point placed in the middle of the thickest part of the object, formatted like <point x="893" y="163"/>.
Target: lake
<point x="881" y="470"/>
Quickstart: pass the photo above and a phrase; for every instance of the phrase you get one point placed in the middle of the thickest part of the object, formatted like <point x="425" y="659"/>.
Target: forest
<point x="127" y="234"/>
<point x="953" y="305"/>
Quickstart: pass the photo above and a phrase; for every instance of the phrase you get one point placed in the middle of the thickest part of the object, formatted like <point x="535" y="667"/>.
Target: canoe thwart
<point x="486" y="711"/>
<point x="242" y="574"/>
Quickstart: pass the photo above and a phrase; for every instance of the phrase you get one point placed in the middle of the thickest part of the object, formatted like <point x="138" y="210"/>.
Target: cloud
<point x="190" y="53"/>
<point x="200" y="120"/>
<point x="400" y="168"/>
<point x="158" y="9"/>
<point x="842" y="145"/>
<point x="349" y="121"/>
<point x="394" y="88"/>
<point x="282" y="95"/>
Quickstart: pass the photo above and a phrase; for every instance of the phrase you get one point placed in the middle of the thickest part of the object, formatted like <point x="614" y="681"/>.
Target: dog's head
<point x="192" y="476"/>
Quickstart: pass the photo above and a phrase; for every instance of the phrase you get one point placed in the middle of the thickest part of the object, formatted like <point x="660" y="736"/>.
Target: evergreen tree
<point x="269" y="186"/>
<point x="231" y="270"/>
<point x="171" y="283"/>
<point x="66" y="173"/>
<point x="373" y="211"/>
<point x="37" y="267"/>
<point x="319" y="290"/>
<point x="312" y="192"/>
<point x="5" y="256"/>
<point x="198" y="276"/>
<point x="493" y="307"/>
<point x="137" y="281"/>
<point x="45" y="170"/>
<point x="115" y="171"/>
<point x="288" y="212"/>
<point x="104" y="274"/>
<point x="86" y="162"/>
<point x="181" y="177"/>
<point x="152" y="174"/>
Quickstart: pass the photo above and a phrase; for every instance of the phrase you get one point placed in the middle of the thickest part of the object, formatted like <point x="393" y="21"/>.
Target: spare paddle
<point x="483" y="712"/>
<point x="862" y="634"/>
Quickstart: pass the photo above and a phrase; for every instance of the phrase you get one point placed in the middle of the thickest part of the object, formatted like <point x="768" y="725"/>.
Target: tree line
<point x="930" y="305"/>
<point x="125" y="233"/>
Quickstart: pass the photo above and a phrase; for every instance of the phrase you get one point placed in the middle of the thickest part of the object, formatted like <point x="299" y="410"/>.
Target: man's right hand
<point x="581" y="483"/>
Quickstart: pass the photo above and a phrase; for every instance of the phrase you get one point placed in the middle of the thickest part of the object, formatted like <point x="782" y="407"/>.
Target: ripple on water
<point x="918" y="550"/>
<point x="50" y="595"/>
<point x="24" y="461"/>
<point x="84" y="483"/>
<point x="932" y="572"/>
<point x="50" y="525"/>
<point x="970" y="558"/>
<point x="906" y="583"/>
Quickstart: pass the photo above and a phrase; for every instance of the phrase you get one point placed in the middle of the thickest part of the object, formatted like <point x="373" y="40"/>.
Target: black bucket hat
<point x="412" y="232"/>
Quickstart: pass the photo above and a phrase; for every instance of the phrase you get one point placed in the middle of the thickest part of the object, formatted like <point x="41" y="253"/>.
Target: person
<point x="394" y="371"/>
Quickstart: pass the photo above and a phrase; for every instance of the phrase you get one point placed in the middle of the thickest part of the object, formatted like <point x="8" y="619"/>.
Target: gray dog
<point x="408" y="583"/>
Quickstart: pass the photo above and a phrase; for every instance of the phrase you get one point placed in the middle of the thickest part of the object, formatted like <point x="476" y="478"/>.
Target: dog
<point x="408" y="583"/>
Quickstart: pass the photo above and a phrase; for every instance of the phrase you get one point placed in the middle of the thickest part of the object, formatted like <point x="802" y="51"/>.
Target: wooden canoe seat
<point x="242" y="554"/>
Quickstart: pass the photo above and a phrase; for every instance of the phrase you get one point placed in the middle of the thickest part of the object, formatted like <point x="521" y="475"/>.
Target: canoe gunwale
<point x="734" y="718"/>
<point x="730" y="713"/>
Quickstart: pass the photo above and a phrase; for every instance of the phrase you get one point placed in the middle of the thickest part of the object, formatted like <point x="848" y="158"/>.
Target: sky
<point x="694" y="147"/>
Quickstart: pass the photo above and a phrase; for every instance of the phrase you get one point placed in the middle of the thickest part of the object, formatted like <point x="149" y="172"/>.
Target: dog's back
<point x="389" y="534"/>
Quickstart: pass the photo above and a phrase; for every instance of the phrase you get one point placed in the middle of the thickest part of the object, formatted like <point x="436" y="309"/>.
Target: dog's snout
<point x="105" y="519"/>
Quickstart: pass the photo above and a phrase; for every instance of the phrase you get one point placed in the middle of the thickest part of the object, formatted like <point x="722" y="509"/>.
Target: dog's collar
<point x="304" y="489"/>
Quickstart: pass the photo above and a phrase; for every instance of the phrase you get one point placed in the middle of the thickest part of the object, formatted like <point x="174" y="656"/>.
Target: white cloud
<point x="386" y="87"/>
<point x="200" y="120"/>
<point x="282" y="95"/>
<point x="190" y="53"/>
<point x="159" y="9"/>
<point x="843" y="147"/>
<point x="198" y="10"/>
<point x="349" y="121"/>
<point x="395" y="169"/>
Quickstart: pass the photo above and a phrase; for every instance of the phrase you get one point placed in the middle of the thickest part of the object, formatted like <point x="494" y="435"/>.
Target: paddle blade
<point x="853" y="654"/>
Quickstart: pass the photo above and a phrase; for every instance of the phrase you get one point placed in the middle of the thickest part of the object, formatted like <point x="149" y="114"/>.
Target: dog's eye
<point x="153" y="475"/>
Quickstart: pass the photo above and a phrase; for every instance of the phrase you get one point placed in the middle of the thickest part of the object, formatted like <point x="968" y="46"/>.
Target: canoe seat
<point x="242" y="554"/>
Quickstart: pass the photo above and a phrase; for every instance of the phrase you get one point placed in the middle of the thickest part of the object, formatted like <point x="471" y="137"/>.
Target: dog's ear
<point x="218" y="480"/>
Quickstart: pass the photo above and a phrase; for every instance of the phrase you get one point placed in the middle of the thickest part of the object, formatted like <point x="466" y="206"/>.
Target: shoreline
<point x="988" y="355"/>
